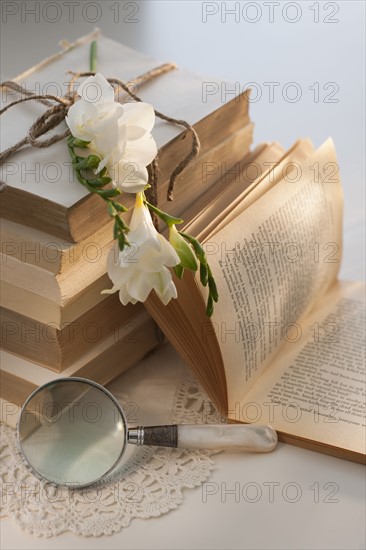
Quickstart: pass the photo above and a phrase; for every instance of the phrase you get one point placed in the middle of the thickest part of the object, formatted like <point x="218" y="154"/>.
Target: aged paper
<point x="271" y="264"/>
<point x="315" y="387"/>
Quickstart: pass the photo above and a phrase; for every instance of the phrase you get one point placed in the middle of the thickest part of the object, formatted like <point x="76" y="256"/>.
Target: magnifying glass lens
<point x="71" y="432"/>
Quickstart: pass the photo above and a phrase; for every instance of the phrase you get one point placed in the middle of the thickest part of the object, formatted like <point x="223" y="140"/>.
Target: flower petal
<point x="169" y="254"/>
<point x="129" y="176"/>
<point x="163" y="284"/>
<point x="125" y="297"/>
<point x="134" y="132"/>
<point x="142" y="151"/>
<point x="96" y="89"/>
<point x="171" y="292"/>
<point x="141" y="217"/>
<point x="139" y="287"/>
<point x="78" y="113"/>
<point x="139" y="114"/>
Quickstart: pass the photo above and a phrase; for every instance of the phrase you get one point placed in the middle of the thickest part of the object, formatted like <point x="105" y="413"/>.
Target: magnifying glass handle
<point x="231" y="437"/>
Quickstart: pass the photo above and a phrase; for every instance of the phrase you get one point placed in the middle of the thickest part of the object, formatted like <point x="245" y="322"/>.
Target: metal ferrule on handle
<point x="160" y="436"/>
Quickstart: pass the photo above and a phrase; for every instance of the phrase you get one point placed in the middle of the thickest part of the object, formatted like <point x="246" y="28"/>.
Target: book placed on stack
<point x="56" y="236"/>
<point x="42" y="189"/>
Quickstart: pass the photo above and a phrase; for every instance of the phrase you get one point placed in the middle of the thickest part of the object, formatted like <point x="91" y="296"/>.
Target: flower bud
<point x="183" y="249"/>
<point x="92" y="161"/>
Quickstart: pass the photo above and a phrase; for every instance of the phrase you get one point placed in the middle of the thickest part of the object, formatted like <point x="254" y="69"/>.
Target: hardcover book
<point x="56" y="203"/>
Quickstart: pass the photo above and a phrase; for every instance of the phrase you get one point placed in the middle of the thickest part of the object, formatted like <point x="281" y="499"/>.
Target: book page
<point x="277" y="166"/>
<point x="214" y="207"/>
<point x="315" y="387"/>
<point x="271" y="263"/>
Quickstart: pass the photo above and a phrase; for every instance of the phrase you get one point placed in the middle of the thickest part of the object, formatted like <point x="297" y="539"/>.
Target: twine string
<point x="58" y="108"/>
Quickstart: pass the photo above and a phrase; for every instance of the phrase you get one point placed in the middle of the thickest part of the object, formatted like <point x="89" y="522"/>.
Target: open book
<point x="285" y="342"/>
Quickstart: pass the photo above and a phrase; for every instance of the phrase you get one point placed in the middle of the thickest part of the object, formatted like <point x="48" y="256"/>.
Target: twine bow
<point x="57" y="109"/>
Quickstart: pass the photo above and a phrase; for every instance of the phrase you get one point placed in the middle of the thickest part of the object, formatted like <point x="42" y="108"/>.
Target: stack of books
<point x="55" y="236"/>
<point x="285" y="343"/>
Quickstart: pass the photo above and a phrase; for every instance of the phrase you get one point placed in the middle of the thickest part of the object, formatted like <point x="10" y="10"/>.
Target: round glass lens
<point x="72" y="432"/>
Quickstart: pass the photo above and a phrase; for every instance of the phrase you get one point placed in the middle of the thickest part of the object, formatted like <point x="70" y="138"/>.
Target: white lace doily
<point x="150" y="484"/>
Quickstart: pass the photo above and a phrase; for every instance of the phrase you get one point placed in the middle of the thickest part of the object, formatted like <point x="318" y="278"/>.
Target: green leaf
<point x="122" y="241"/>
<point x="111" y="209"/>
<point x="209" y="307"/>
<point x="87" y="163"/>
<point x="169" y="220"/>
<point x="80" y="143"/>
<point x="108" y="193"/>
<point x="92" y="161"/>
<point x="200" y="253"/>
<point x="212" y="285"/>
<point x="121" y="223"/>
<point x="115" y="230"/>
<point x="95" y="183"/>
<point x="80" y="164"/>
<point x="119" y="207"/>
<point x="179" y="271"/>
<point x="203" y="274"/>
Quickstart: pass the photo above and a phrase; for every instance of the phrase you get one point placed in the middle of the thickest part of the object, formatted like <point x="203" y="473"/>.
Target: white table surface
<point x="304" y="52"/>
<point x="213" y="516"/>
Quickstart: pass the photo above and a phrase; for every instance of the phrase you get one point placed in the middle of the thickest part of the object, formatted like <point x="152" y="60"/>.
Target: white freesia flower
<point x="96" y="111"/>
<point x="118" y="134"/>
<point x="143" y="266"/>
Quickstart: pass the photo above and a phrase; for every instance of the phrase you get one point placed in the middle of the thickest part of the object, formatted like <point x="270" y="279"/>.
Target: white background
<point x="254" y="45"/>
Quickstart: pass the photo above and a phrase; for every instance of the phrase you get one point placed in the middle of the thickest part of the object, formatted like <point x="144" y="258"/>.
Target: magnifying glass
<point x="73" y="432"/>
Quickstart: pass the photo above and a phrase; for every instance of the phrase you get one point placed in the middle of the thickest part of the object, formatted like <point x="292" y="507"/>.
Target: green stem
<point x="167" y="219"/>
<point x="206" y="276"/>
<point x="93" y="57"/>
<point x="96" y="186"/>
